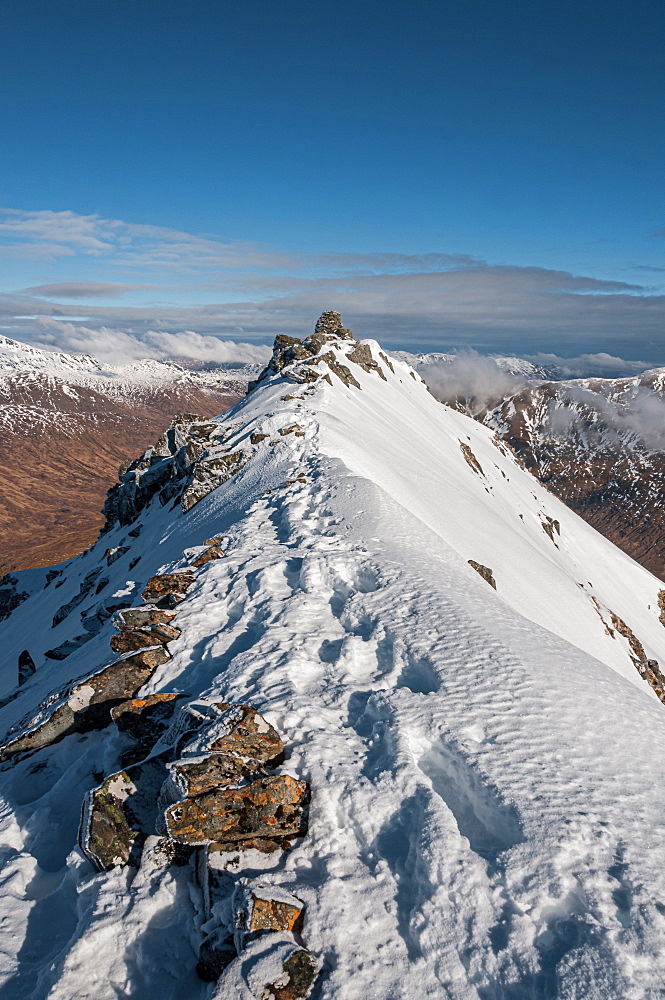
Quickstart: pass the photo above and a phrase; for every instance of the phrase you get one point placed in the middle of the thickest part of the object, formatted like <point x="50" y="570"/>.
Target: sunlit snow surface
<point x="487" y="814"/>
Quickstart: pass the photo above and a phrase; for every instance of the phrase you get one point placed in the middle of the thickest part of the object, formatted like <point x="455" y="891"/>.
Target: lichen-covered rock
<point x="214" y="551"/>
<point x="238" y="730"/>
<point x="120" y="814"/>
<point x="141" y="638"/>
<point x="272" y="807"/>
<point x="261" y="907"/>
<point x="168" y="587"/>
<point x="191" y="777"/>
<point x="483" y="571"/>
<point x="299" y="973"/>
<point x="87" y="704"/>
<point x="26" y="666"/>
<point x="131" y="618"/>
<point x="144" y="720"/>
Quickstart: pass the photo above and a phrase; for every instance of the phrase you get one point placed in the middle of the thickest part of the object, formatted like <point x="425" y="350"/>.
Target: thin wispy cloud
<point x="169" y="282"/>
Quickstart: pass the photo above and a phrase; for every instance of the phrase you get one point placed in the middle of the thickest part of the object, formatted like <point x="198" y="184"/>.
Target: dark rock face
<point x="208" y="475"/>
<point x="10" y="595"/>
<point x="483" y="571"/>
<point x="26" y="666"/>
<point x="168" y="585"/>
<point x="144" y="720"/>
<point x="87" y="704"/>
<point x="270" y="807"/>
<point x="217" y="951"/>
<point x="142" y="638"/>
<point x="362" y="356"/>
<point x="85" y="589"/>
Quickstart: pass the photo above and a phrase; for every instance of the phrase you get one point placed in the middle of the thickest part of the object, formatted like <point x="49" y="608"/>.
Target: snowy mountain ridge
<point x="465" y="674"/>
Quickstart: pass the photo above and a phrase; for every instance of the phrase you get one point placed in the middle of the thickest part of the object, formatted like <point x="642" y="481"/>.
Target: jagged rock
<point x="62" y="651"/>
<point x="239" y="731"/>
<point x="51" y="575"/>
<point x="290" y="429"/>
<point x="484" y="571"/>
<point x="26" y="666"/>
<point x="386" y="360"/>
<point x="10" y="595"/>
<point x="549" y="526"/>
<point x="95" y="618"/>
<point x="213" y="552"/>
<point x="362" y="355"/>
<point x="209" y="474"/>
<point x="168" y="587"/>
<point x="216" y="952"/>
<point x="144" y="720"/>
<point x="132" y="618"/>
<point x="87" y="704"/>
<point x="341" y="371"/>
<point x="257" y="438"/>
<point x="113" y="554"/>
<point x="120" y="814"/>
<point x="142" y="638"/>
<point x="470" y="458"/>
<point x="271" y="807"/>
<point x="84" y="590"/>
<point x="661" y="606"/>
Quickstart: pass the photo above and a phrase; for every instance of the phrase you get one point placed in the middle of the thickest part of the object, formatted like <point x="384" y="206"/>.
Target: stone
<point x="299" y="973"/>
<point x="271" y="807"/>
<point x="113" y="554"/>
<point x="26" y="666"/>
<point x="238" y="730"/>
<point x="216" y="952"/>
<point x="208" y="474"/>
<point x="267" y="908"/>
<point x="257" y="438"/>
<point x="131" y="618"/>
<point x="470" y="458"/>
<point x="142" y="638"/>
<point x="84" y="590"/>
<point x="661" y="606"/>
<point x="167" y="586"/>
<point x="362" y="355"/>
<point x="11" y="595"/>
<point x="120" y="814"/>
<point x="145" y="720"/>
<point x="87" y="704"/>
<point x="200" y="775"/>
<point x="209" y="555"/>
<point x="483" y="571"/>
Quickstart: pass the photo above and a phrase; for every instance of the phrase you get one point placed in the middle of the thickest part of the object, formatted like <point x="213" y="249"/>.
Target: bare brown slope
<point x="55" y="477"/>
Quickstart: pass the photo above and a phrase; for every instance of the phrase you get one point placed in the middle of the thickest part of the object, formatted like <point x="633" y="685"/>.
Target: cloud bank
<point x="130" y="283"/>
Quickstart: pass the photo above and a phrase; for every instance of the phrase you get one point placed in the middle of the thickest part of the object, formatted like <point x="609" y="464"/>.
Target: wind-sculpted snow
<point x="486" y="820"/>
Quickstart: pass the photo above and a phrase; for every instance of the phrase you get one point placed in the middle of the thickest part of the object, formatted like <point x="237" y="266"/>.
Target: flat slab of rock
<point x="213" y="552"/>
<point x="131" y="618"/>
<point x="271" y="807"/>
<point x="196" y="776"/>
<point x="142" y="638"/>
<point x="239" y="730"/>
<point x="120" y="814"/>
<point x="168" y="585"/>
<point x="266" y="908"/>
<point x="87" y="704"/>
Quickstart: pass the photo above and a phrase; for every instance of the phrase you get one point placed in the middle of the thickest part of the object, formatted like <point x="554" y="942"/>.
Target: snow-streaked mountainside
<point x="32" y="380"/>
<point x="486" y="820"/>
<point x="66" y="423"/>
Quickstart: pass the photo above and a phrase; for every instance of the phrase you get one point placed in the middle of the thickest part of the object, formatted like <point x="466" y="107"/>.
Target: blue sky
<point x="486" y="173"/>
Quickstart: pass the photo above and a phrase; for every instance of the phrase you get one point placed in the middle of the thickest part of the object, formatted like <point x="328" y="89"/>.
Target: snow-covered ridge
<point x="476" y="756"/>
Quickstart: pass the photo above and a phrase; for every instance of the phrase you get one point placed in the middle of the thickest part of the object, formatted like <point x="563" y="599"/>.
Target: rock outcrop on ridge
<point x="352" y="706"/>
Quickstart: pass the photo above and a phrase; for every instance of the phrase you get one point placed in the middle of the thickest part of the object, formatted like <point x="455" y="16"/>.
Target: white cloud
<point x="115" y="347"/>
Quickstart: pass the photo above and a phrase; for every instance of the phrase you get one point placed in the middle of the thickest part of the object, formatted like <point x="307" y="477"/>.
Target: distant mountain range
<point x="66" y="423"/>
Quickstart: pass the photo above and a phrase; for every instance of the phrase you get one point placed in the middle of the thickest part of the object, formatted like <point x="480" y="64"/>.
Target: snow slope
<point x="485" y="822"/>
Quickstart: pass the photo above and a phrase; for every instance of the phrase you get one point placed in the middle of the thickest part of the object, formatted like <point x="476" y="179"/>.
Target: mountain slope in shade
<point x="66" y="423"/>
<point x="484" y="819"/>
